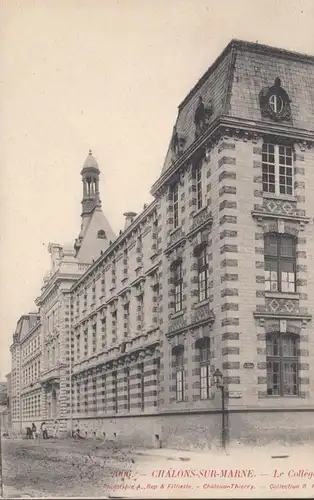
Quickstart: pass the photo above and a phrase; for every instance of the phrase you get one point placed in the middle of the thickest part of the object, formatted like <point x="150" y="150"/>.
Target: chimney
<point x="129" y="218"/>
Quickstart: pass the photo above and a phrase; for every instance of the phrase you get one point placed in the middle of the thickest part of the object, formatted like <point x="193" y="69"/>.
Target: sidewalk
<point x="11" y="492"/>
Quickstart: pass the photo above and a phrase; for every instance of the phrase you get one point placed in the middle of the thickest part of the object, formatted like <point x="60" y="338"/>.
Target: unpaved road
<point x="90" y="468"/>
<point x="64" y="468"/>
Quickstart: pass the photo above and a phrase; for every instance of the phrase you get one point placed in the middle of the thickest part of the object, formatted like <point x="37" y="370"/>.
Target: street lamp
<point x="218" y="382"/>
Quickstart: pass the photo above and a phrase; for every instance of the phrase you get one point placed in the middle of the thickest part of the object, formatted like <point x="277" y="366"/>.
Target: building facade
<point x="214" y="273"/>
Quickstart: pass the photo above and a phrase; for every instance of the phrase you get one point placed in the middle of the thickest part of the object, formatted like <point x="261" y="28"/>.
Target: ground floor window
<point x="178" y="354"/>
<point x="282" y="364"/>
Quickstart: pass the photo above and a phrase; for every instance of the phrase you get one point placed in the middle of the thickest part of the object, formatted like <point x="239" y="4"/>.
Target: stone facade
<point x="213" y="274"/>
<point x="25" y="389"/>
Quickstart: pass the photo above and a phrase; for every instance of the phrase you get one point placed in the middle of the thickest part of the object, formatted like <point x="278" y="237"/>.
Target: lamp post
<point x="218" y="381"/>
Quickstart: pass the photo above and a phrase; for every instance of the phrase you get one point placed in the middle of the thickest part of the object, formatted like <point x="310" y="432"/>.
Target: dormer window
<point x="275" y="102"/>
<point x="101" y="234"/>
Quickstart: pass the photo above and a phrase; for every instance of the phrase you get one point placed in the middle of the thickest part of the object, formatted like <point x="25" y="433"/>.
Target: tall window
<point x="94" y="338"/>
<point x="115" y="391"/>
<point x="86" y="395"/>
<point x="157" y="365"/>
<point x="205" y="377"/>
<point x="94" y="393"/>
<point x="128" y="393"/>
<point x="282" y="364"/>
<point x="125" y="263"/>
<point x="140" y="311"/>
<point x="179" y="367"/>
<point x="175" y="205"/>
<point x="156" y="291"/>
<point x="178" y="286"/>
<point x="280" y="263"/>
<point x="126" y="311"/>
<point x="78" y="397"/>
<point x="114" y="326"/>
<point x="202" y="273"/>
<point x="103" y="333"/>
<point x="277" y="169"/>
<point x="155" y="236"/>
<point x="103" y="392"/>
<point x="198" y="184"/>
<point x="142" y="386"/>
<point x="85" y="342"/>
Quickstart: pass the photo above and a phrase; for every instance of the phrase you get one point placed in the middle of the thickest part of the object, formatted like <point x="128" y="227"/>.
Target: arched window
<point x="178" y="285"/>
<point x="178" y="353"/>
<point x="205" y="378"/>
<point x="280" y="262"/>
<point x="282" y="364"/>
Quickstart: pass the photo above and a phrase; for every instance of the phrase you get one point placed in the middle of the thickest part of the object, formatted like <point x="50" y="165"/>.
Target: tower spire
<point x="90" y="178"/>
<point x="96" y="232"/>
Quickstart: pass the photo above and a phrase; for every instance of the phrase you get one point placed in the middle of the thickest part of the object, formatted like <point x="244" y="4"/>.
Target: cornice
<point x="241" y="128"/>
<point x="267" y="215"/>
<point x="271" y="315"/>
<point x="268" y="128"/>
<point x="54" y="281"/>
<point x="186" y="155"/>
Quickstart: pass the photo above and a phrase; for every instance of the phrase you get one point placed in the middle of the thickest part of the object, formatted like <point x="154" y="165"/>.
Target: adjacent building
<point x="214" y="273"/>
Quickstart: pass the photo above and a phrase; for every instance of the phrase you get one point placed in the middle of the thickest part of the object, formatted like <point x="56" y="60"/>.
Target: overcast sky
<point x="106" y="75"/>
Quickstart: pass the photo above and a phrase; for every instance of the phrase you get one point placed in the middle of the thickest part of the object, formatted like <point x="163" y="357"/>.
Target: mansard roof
<point x="231" y="87"/>
<point x="25" y="324"/>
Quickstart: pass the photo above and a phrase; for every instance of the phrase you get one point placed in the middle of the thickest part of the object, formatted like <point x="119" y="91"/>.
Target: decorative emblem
<point x="202" y="115"/>
<point x="275" y="102"/>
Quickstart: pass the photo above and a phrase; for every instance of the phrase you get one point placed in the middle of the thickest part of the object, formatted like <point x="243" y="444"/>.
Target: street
<point x="63" y="467"/>
<point x="99" y="468"/>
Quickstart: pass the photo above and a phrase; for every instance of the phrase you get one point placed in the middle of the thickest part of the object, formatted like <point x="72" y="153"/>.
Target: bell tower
<point x="96" y="232"/>
<point x="90" y="178"/>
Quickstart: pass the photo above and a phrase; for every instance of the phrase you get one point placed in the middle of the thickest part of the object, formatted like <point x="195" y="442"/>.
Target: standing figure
<point x="55" y="429"/>
<point x="34" y="430"/>
<point x="44" y="430"/>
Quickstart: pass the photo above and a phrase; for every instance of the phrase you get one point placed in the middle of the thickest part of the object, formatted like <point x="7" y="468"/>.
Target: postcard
<point x="157" y="293"/>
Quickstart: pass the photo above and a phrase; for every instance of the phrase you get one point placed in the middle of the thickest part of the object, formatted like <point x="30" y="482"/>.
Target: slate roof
<point x="235" y="79"/>
<point x="25" y="325"/>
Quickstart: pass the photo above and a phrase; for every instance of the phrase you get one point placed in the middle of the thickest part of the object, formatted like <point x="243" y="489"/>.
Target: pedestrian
<point x="44" y="430"/>
<point x="34" y="430"/>
<point x="77" y="434"/>
<point x="55" y="429"/>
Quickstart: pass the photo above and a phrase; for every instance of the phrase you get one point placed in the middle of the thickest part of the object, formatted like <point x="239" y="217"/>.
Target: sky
<point x="106" y="75"/>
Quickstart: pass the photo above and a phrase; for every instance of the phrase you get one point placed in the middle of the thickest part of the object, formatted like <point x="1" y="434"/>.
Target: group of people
<point x="32" y="433"/>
